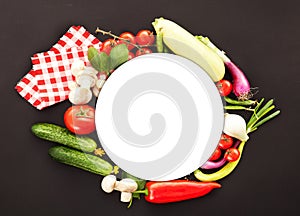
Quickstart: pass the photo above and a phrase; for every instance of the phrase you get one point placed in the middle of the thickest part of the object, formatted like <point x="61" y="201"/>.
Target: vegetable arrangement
<point x="80" y="150"/>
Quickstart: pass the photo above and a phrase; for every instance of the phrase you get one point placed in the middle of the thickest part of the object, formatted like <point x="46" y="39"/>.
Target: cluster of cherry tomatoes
<point x="137" y="44"/>
<point x="225" y="144"/>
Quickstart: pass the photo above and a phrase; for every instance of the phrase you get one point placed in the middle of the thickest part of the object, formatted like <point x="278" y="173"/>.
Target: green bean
<point x="237" y="108"/>
<point x="239" y="102"/>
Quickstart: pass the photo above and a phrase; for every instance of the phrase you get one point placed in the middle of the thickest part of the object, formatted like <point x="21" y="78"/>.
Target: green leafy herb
<point x="94" y="58"/>
<point x="102" y="62"/>
<point x="118" y="55"/>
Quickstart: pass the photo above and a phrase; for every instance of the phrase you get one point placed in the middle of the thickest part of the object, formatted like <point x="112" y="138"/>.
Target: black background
<point x="262" y="37"/>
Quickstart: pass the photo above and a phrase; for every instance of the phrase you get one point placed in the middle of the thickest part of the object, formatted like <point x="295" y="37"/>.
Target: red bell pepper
<point x="177" y="190"/>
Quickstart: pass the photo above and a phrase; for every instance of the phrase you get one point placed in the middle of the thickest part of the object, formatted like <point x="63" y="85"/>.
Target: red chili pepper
<point x="177" y="190"/>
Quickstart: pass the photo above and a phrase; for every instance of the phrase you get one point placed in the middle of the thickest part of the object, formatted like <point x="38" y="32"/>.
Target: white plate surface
<point x="159" y="116"/>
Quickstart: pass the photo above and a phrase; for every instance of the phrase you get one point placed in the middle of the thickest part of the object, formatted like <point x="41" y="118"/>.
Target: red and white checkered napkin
<point x="47" y="83"/>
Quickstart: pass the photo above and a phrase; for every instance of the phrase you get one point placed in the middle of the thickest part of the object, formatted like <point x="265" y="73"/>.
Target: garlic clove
<point x="80" y="95"/>
<point x="235" y="126"/>
<point x="77" y="67"/>
<point x="100" y="83"/>
<point x="96" y="91"/>
<point x="102" y="76"/>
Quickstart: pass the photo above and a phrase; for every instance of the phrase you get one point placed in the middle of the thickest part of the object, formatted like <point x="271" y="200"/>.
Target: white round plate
<point x="159" y="117"/>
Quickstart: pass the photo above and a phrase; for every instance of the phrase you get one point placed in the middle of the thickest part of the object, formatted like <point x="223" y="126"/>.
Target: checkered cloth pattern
<point x="47" y="83"/>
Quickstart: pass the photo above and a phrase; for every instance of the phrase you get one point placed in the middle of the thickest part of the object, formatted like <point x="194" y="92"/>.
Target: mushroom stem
<point x="126" y="196"/>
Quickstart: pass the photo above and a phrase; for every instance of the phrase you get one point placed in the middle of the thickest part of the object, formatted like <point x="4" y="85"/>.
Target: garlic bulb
<point x="235" y="126"/>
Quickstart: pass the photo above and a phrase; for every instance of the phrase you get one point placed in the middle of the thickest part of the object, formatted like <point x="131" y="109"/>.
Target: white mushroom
<point x="77" y="67"/>
<point x="108" y="183"/>
<point x="86" y="80"/>
<point x="126" y="185"/>
<point x="72" y="85"/>
<point x="80" y="95"/>
<point x="126" y="196"/>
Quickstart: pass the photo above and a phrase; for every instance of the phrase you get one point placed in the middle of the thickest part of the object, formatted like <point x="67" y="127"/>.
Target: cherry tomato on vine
<point x="128" y="37"/>
<point x="224" y="87"/>
<point x="130" y="56"/>
<point x="143" y="51"/>
<point x="216" y="155"/>
<point x="145" y="38"/>
<point x="107" y="45"/>
<point x="232" y="154"/>
<point x="225" y="142"/>
<point x="80" y="119"/>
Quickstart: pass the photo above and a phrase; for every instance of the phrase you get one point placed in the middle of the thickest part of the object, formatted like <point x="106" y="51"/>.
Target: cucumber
<point x="63" y="136"/>
<point x="80" y="160"/>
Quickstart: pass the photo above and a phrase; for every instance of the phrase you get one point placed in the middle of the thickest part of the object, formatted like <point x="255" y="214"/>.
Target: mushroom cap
<point x="108" y="183"/>
<point x="126" y="185"/>
<point x="80" y="95"/>
<point x="86" y="80"/>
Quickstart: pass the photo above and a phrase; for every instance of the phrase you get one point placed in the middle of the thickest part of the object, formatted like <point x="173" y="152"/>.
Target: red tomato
<point x="130" y="56"/>
<point x="80" y="119"/>
<point x="232" y="154"/>
<point x="143" y="51"/>
<point x="128" y="37"/>
<point x="225" y="141"/>
<point x="107" y="45"/>
<point x="145" y="38"/>
<point x="216" y="155"/>
<point x="224" y="87"/>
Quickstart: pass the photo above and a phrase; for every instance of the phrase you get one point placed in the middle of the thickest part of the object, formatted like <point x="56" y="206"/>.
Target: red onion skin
<point x="241" y="85"/>
<point x="213" y="164"/>
<point x="218" y="164"/>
